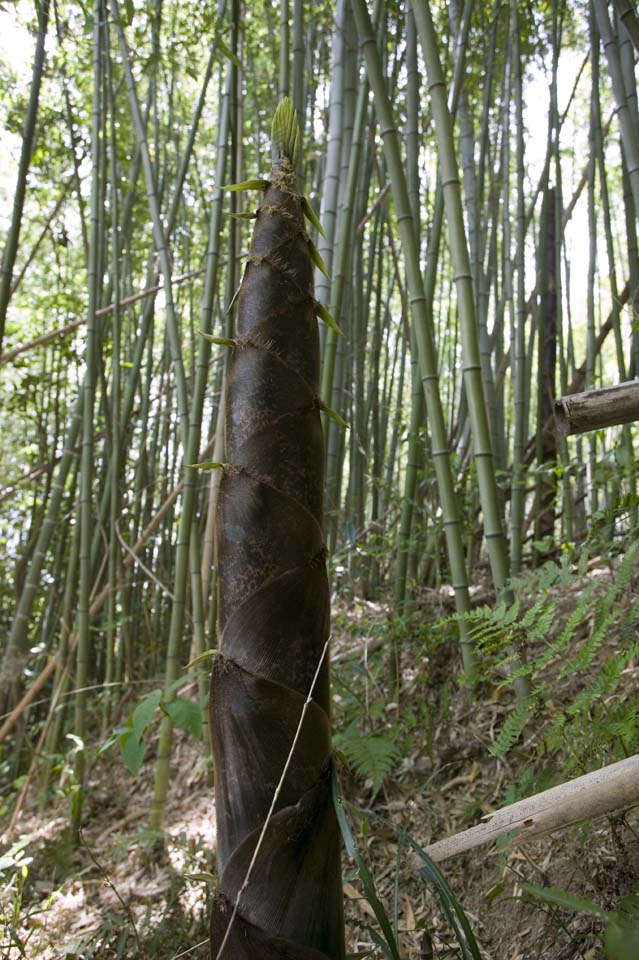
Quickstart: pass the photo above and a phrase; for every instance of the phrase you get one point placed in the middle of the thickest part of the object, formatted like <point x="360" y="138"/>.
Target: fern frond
<point x="605" y="682"/>
<point x="370" y="754"/>
<point x="554" y="738"/>
<point x="512" y="728"/>
<point x="627" y="568"/>
<point x="575" y="619"/>
<point x="587" y="652"/>
<point x="542" y="622"/>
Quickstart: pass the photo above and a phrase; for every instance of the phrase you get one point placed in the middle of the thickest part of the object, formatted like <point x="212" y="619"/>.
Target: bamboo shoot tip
<point x="285" y="133"/>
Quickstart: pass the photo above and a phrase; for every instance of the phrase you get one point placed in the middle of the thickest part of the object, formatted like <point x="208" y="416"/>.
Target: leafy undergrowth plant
<point x="621" y="930"/>
<point x="367" y="736"/>
<point x="14" y="871"/>
<point x="598" y="721"/>
<point x="386" y="936"/>
<point x="162" y="914"/>
<point x="130" y="736"/>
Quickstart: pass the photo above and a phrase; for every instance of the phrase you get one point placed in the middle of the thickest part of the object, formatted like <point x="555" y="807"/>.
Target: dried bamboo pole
<point x="593" y="795"/>
<point x="101" y="312"/>
<point x="595" y="409"/>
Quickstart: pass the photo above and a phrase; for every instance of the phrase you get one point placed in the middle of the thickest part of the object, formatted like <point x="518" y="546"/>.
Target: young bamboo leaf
<point x="328" y="319"/>
<point x="317" y="259"/>
<point x="220" y="341"/>
<point x="207" y="655"/>
<point x="311" y="216"/>
<point x="203" y="877"/>
<point x="334" y="416"/>
<point x="245" y="216"/>
<point x="248" y="185"/>
<point x="207" y="465"/>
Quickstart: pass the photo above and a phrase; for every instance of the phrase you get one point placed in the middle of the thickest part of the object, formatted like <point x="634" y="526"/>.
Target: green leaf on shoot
<point x="256" y="184"/>
<point x="143" y="713"/>
<point x="621" y="942"/>
<point x="310" y="215"/>
<point x="220" y="341"/>
<point x="328" y="319"/>
<point x="132" y="753"/>
<point x="334" y="416"/>
<point x="180" y="682"/>
<point x="207" y="465"/>
<point x="317" y="259"/>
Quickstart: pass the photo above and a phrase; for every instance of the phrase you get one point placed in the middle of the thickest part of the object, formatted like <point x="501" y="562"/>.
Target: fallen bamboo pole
<point x="101" y="312"/>
<point x="600" y="792"/>
<point x="595" y="409"/>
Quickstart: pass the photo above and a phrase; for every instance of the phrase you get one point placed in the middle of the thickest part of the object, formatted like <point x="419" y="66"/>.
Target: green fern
<point x="599" y="609"/>
<point x="627" y="568"/>
<point x="575" y="620"/>
<point x="371" y="755"/>
<point x="512" y="728"/>
<point x="626" y="726"/>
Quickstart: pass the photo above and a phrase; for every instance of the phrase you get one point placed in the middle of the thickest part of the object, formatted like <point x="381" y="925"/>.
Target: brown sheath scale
<point x="273" y="615"/>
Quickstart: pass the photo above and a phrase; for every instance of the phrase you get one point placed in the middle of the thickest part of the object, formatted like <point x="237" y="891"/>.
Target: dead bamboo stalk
<point x="600" y="792"/>
<point x="595" y="409"/>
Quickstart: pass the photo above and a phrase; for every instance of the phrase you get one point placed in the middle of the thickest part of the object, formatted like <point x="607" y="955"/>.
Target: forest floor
<point x="424" y="765"/>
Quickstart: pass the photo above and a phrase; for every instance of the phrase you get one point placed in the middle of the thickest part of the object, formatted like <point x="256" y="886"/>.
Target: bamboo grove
<point x="475" y="170"/>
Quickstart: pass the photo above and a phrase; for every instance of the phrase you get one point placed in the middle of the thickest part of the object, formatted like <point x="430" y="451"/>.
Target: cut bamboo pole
<point x="595" y="409"/>
<point x="597" y="793"/>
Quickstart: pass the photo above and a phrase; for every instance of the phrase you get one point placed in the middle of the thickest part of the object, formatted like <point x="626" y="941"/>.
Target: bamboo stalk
<point x="628" y="16"/>
<point x="493" y="519"/>
<point x="87" y="448"/>
<point x="421" y="313"/>
<point x="11" y="245"/>
<point x="629" y="135"/>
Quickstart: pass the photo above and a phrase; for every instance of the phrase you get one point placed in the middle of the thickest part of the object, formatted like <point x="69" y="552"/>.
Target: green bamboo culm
<point x="280" y="892"/>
